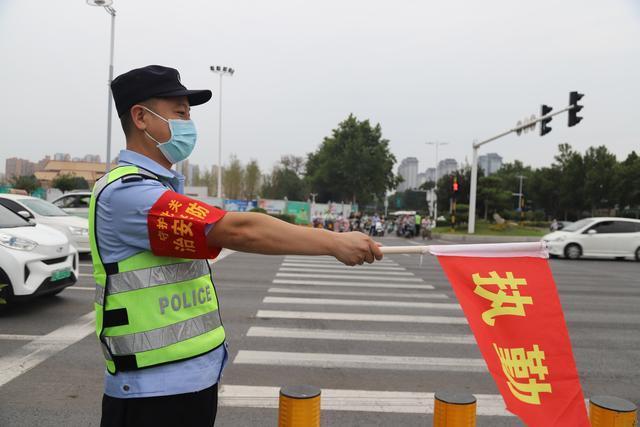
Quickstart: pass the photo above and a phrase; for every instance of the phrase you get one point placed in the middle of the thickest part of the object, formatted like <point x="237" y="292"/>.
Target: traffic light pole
<point x="474" y="166"/>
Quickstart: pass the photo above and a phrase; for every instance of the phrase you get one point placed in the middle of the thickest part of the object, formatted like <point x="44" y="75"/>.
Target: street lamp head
<point x="101" y="3"/>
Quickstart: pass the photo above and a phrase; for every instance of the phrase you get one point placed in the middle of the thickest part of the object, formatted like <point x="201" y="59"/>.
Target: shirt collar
<point x="136" y="159"/>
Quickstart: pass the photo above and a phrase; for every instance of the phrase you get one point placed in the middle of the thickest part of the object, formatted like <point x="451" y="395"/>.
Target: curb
<point x="485" y="239"/>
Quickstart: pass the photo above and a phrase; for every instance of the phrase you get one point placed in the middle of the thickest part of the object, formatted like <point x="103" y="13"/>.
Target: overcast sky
<point x="450" y="71"/>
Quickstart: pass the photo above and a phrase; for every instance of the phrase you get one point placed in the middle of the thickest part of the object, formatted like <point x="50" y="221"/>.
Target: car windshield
<point x="8" y="219"/>
<point x="578" y="225"/>
<point x="43" y="208"/>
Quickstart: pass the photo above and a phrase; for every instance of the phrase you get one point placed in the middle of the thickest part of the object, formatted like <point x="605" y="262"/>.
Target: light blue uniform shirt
<point x="121" y="224"/>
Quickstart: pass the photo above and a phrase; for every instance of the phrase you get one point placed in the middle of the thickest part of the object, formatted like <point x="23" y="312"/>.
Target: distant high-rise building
<point x="15" y="167"/>
<point x="430" y="174"/>
<point x="408" y="170"/>
<point x="490" y="163"/>
<point x="446" y="167"/>
<point x="91" y="158"/>
<point x="62" y="157"/>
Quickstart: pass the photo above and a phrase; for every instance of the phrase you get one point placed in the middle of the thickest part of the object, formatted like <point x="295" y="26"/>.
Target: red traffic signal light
<point x="455" y="183"/>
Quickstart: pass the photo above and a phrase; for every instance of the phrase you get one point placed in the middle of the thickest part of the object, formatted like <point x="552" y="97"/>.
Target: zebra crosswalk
<point x="318" y="300"/>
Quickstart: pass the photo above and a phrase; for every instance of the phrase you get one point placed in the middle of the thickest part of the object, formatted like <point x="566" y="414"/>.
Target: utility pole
<point x="520" y="195"/>
<point x="221" y="71"/>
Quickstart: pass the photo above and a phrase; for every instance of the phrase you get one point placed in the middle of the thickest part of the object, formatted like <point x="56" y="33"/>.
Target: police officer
<point x="157" y="315"/>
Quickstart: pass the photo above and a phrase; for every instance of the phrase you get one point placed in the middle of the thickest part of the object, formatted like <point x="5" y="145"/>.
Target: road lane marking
<point x="80" y="288"/>
<point x="346" y="276"/>
<point x="349" y="284"/>
<point x="335" y="261"/>
<point x="399" y="402"/>
<point x="346" y="335"/>
<point x="341" y="266"/>
<point x="361" y="317"/>
<point x="12" y="337"/>
<point x="341" y="271"/>
<point x="364" y="303"/>
<point x="37" y="351"/>
<point x="360" y="293"/>
<point x="359" y="361"/>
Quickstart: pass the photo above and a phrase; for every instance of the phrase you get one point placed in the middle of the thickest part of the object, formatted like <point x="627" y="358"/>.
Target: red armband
<point x="177" y="226"/>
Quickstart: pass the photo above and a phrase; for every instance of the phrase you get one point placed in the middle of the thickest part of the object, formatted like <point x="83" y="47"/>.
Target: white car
<point x="606" y="237"/>
<point x="43" y="212"/>
<point x="74" y="203"/>
<point x="34" y="259"/>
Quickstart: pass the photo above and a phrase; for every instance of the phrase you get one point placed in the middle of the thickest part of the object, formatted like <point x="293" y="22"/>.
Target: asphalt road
<point x="290" y="320"/>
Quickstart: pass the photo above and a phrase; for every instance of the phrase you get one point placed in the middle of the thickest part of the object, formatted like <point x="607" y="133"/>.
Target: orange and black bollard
<point x="609" y="411"/>
<point x="454" y="410"/>
<point x="299" y="406"/>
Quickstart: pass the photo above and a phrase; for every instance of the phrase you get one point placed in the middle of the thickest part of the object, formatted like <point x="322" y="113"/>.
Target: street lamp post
<point x="435" y="187"/>
<point x="221" y="71"/>
<point x="106" y="4"/>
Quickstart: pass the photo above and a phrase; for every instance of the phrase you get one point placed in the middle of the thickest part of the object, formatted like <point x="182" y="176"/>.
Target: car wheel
<point x="6" y="291"/>
<point x="573" y="251"/>
<point x="638" y="254"/>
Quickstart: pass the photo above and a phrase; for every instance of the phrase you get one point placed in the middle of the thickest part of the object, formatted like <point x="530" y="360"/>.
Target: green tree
<point x="68" y="182"/>
<point x="628" y="182"/>
<point x="600" y="173"/>
<point x="353" y="164"/>
<point x="28" y="183"/>
<point x="233" y="178"/>
<point x="252" y="177"/>
<point x="285" y="180"/>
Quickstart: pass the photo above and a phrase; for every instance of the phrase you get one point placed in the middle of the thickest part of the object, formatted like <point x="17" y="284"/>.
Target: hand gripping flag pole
<point x="509" y="298"/>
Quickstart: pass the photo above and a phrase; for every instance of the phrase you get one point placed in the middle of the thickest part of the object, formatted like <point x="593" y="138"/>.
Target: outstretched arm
<point x="260" y="233"/>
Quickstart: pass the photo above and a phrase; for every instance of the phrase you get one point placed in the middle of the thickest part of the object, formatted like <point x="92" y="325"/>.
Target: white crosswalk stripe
<point x="423" y="295"/>
<point x="401" y="402"/>
<point x="359" y="361"/>
<point x="367" y="268"/>
<point x="343" y="271"/>
<point x="346" y="335"/>
<point x="349" y="284"/>
<point x="346" y="276"/>
<point x="360" y="317"/>
<point x="362" y="303"/>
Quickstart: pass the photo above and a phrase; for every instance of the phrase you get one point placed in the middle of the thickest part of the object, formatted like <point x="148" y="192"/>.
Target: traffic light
<point x="574" y="97"/>
<point x="455" y="184"/>
<point x="544" y="123"/>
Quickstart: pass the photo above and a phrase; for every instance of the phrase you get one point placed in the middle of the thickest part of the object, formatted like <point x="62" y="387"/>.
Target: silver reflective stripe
<point x="156" y="276"/>
<point x="99" y="299"/>
<point x="163" y="337"/>
<point x="105" y="351"/>
<point x="100" y="184"/>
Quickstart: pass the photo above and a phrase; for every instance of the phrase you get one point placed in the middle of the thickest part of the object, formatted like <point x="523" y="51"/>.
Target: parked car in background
<point x="605" y="237"/>
<point x="43" y="212"/>
<point x="75" y="203"/>
<point x="34" y="259"/>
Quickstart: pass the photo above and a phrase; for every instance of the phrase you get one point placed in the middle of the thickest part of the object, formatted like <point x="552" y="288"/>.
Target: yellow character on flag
<point x="175" y="205"/>
<point x="181" y="228"/>
<point x="518" y="364"/>
<point x="197" y="210"/>
<point x="514" y="301"/>
<point x="162" y="235"/>
<point x="181" y="244"/>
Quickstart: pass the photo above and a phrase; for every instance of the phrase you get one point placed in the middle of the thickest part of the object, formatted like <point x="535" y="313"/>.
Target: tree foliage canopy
<point x="68" y="182"/>
<point x="353" y="164"/>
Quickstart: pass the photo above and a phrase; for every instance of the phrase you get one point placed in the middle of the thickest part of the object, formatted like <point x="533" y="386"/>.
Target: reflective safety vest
<point x="149" y="309"/>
